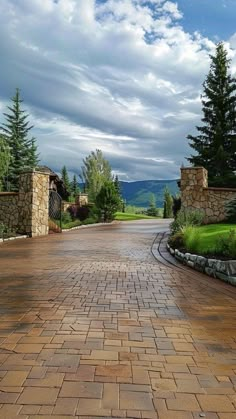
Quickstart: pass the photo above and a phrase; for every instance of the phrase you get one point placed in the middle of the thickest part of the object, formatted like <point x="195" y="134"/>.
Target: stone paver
<point x="93" y="326"/>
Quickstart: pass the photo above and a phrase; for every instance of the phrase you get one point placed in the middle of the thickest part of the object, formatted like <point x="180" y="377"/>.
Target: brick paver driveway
<point x="93" y="326"/>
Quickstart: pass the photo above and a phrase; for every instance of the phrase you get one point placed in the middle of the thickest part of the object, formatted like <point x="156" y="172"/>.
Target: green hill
<point x="138" y="193"/>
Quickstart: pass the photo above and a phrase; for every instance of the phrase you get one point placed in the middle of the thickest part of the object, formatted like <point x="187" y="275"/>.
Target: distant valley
<point x="138" y="193"/>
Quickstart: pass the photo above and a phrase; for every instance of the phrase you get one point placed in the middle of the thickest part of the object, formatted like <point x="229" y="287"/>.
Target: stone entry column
<point x="33" y="203"/>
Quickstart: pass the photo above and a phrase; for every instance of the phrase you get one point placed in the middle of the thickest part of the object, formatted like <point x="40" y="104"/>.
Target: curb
<point x="87" y="226"/>
<point x="224" y="270"/>
<point x="13" y="238"/>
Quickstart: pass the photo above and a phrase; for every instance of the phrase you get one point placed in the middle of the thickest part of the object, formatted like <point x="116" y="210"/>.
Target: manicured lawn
<point x="211" y="232"/>
<point x="125" y="216"/>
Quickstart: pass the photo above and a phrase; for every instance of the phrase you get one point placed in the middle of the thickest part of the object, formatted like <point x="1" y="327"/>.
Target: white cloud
<point x="120" y="75"/>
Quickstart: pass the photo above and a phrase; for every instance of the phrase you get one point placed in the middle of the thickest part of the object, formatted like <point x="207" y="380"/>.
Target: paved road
<point x="93" y="326"/>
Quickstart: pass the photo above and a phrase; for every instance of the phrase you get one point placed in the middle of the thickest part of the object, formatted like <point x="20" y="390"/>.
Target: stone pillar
<point x="194" y="180"/>
<point x="33" y="203"/>
<point x="82" y="199"/>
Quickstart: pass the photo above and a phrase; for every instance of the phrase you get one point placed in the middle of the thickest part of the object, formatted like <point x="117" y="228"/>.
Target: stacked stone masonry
<point x="27" y="211"/>
<point x="195" y="194"/>
<point x="9" y="209"/>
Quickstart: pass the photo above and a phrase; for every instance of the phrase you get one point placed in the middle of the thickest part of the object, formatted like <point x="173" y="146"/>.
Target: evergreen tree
<point x="33" y="156"/>
<point x="108" y="201"/>
<point x="74" y="186"/>
<point x="152" y="211"/>
<point x="23" y="150"/>
<point x="118" y="190"/>
<point x="117" y="185"/>
<point x="95" y="172"/>
<point x="65" y="178"/>
<point x="5" y="158"/>
<point x="215" y="145"/>
<point x="168" y="204"/>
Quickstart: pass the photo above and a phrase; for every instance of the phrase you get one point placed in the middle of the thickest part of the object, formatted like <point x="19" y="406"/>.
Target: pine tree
<point x="74" y="186"/>
<point x="5" y="158"/>
<point x="215" y="145"/>
<point x="65" y="178"/>
<point x="23" y="150"/>
<point x="168" y="204"/>
<point x="117" y="185"/>
<point x="108" y="201"/>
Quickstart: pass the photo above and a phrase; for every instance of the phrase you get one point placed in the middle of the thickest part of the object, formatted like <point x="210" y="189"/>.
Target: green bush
<point x="90" y="220"/>
<point x="66" y="217"/>
<point x="71" y="224"/>
<point x="176" y="241"/>
<point x="226" y="246"/>
<point x="231" y="210"/>
<point x="186" y="218"/>
<point x="191" y="238"/>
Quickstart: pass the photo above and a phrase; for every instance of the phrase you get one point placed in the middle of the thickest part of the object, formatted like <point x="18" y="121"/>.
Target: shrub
<point x="231" y="210"/>
<point x="186" y="218"/>
<point x="90" y="220"/>
<point x="177" y="240"/>
<point x="66" y="217"/>
<point x="75" y="223"/>
<point x="176" y="205"/>
<point x="83" y="213"/>
<point x="191" y="238"/>
<point x="226" y="246"/>
<point x="73" y="211"/>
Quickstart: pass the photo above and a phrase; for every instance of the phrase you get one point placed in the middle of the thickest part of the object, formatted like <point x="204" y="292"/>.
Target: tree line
<point x="102" y="187"/>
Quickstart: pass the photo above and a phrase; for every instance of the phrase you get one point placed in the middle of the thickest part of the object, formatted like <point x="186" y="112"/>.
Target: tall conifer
<point x="23" y="150"/>
<point x="215" y="145"/>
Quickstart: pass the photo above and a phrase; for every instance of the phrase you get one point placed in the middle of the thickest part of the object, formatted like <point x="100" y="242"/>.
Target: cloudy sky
<point x="124" y="76"/>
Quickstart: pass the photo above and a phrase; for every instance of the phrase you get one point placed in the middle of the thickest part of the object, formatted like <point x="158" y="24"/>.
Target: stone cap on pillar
<point x="194" y="177"/>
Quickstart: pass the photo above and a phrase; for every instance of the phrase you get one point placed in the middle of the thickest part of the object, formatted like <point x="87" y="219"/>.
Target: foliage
<point x="96" y="171"/>
<point x="74" y="186"/>
<point x="191" y="238"/>
<point x="66" y="217"/>
<point x="108" y="201"/>
<point x="176" y="205"/>
<point x="138" y="193"/>
<point x="152" y="211"/>
<point x="23" y="150"/>
<point x="231" y="210"/>
<point x="212" y="239"/>
<point x="124" y="216"/>
<point x="131" y="209"/>
<point x="6" y="232"/>
<point x="118" y="190"/>
<point x="186" y="218"/>
<point x="226" y="246"/>
<point x="168" y="203"/>
<point x="71" y="224"/>
<point x="65" y="178"/>
<point x="215" y="145"/>
<point x="83" y="212"/>
<point x="5" y="158"/>
<point x="90" y="220"/>
<point x="176" y="241"/>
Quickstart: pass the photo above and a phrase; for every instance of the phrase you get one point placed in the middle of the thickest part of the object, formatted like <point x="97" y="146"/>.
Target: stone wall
<point x="9" y="209"/>
<point x="33" y="203"/>
<point x="80" y="201"/>
<point x="195" y="194"/>
<point x="27" y="210"/>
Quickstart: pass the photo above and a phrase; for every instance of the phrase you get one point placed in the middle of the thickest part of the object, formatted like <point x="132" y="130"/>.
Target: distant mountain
<point x="138" y="193"/>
